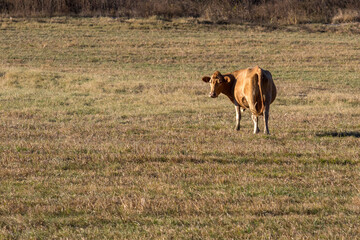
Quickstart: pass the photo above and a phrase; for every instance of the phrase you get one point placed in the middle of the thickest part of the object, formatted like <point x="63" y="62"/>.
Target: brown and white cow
<point x="250" y="88"/>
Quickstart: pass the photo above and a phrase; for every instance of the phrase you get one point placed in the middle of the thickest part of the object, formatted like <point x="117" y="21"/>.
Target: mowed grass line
<point x="106" y="131"/>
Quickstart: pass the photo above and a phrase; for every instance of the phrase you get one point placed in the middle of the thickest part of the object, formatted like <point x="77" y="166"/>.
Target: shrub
<point x="257" y="11"/>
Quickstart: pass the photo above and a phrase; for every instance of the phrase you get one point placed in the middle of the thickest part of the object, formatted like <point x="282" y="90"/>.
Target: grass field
<point x="107" y="132"/>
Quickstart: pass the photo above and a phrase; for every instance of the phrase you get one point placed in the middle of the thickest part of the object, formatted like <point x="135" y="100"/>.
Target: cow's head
<point x="217" y="83"/>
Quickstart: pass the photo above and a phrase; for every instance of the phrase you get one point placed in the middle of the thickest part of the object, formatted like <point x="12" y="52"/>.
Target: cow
<point x="250" y="88"/>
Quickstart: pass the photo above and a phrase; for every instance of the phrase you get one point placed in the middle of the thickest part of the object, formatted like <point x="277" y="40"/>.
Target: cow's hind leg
<point x="238" y="117"/>
<point x="266" y="119"/>
<point x="255" y="121"/>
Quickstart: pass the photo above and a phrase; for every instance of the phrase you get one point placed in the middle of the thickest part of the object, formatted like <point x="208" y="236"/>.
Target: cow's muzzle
<point x="212" y="95"/>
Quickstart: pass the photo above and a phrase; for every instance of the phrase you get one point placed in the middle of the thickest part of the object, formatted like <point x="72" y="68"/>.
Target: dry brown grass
<point x="107" y="132"/>
<point x="346" y="15"/>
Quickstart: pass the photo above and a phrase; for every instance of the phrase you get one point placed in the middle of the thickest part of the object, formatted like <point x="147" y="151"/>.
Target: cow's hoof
<point x="237" y="128"/>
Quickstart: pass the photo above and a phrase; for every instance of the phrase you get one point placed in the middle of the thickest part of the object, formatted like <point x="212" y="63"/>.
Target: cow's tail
<point x="257" y="107"/>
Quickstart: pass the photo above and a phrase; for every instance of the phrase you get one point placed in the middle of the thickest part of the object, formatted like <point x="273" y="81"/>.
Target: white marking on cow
<point x="255" y="121"/>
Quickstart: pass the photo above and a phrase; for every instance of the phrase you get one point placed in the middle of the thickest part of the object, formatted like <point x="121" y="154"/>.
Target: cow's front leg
<point x="238" y="117"/>
<point x="255" y="121"/>
<point x="266" y="119"/>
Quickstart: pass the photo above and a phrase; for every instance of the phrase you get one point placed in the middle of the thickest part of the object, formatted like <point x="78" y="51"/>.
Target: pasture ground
<point x="106" y="131"/>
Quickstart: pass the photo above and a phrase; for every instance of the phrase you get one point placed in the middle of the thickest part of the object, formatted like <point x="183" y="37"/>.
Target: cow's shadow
<point x="339" y="134"/>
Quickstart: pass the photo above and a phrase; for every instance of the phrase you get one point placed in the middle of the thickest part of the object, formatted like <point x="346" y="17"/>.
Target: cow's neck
<point x="229" y="89"/>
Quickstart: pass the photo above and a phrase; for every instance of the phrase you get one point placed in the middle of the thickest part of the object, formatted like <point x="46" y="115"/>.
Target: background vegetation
<point x="106" y="131"/>
<point x="235" y="11"/>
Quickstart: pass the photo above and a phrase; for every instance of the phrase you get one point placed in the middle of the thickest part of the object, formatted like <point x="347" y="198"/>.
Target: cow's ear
<point x="227" y="79"/>
<point x="206" y="79"/>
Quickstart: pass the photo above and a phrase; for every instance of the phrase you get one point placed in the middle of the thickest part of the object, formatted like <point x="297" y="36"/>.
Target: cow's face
<point x="216" y="84"/>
